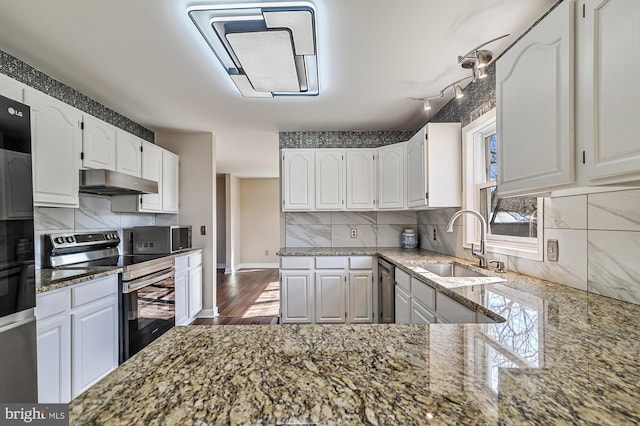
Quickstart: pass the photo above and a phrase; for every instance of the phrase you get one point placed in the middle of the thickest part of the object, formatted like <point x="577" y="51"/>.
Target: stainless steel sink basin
<point x="450" y="270"/>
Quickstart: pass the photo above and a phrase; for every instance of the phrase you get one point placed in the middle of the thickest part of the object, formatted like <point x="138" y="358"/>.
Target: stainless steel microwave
<point x="161" y="239"/>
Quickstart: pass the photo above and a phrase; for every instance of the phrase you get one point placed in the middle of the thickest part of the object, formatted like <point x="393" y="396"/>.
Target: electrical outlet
<point x="434" y="234"/>
<point x="354" y="233"/>
<point x="203" y="230"/>
<point x="552" y="250"/>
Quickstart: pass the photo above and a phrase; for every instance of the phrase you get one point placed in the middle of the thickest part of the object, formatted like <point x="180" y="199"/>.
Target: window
<point x="514" y="224"/>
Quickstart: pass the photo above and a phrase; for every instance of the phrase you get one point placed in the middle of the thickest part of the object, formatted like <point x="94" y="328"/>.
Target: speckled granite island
<point x="562" y="356"/>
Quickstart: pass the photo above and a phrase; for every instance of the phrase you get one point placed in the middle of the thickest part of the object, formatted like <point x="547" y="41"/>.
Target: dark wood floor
<point x="248" y="296"/>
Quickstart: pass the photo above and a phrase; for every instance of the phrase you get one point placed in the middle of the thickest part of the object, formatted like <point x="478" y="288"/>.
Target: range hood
<point x="108" y="182"/>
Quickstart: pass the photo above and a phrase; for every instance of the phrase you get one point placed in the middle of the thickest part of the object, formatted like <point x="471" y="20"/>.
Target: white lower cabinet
<point x="327" y="289"/>
<point x="450" y="311"/>
<point x="403" y="306"/>
<point x="188" y="287"/>
<point x="420" y="314"/>
<point x="77" y="331"/>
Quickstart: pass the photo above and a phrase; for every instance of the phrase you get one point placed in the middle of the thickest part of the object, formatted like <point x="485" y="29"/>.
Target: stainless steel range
<point x="147" y="287"/>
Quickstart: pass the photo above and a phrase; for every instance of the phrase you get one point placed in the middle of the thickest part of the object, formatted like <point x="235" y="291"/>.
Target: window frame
<point x="474" y="179"/>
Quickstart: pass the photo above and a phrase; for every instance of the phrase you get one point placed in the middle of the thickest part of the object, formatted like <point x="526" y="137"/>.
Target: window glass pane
<point x="515" y="216"/>
<point x="492" y="158"/>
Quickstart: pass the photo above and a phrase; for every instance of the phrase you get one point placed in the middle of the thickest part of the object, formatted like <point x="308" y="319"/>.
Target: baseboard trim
<point x="208" y="313"/>
<point x="221" y="266"/>
<point x="258" y="266"/>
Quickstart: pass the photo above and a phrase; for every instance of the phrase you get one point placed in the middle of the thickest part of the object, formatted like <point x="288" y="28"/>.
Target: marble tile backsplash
<point x="598" y="236"/>
<point x="333" y="229"/>
<point x="94" y="214"/>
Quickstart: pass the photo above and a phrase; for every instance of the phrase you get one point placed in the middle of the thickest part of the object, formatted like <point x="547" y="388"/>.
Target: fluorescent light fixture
<point x="267" y="49"/>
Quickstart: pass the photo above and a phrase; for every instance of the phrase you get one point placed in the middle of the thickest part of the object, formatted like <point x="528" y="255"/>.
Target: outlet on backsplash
<point x="354" y="233"/>
<point x="434" y="234"/>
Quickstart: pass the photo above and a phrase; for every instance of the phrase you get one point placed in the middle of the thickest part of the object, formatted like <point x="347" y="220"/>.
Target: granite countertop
<point x="562" y="356"/>
<point x="56" y="278"/>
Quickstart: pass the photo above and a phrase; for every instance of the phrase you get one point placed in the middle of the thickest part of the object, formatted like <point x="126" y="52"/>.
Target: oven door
<point x="148" y="311"/>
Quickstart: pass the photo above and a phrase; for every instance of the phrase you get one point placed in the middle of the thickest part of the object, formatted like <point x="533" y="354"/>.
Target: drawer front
<point x="424" y="293"/>
<point x="182" y="263"/>
<point x="195" y="260"/>
<point x="403" y="279"/>
<point x="94" y="290"/>
<point x="331" y="262"/>
<point x="361" y="262"/>
<point x="296" y="262"/>
<point x="52" y="303"/>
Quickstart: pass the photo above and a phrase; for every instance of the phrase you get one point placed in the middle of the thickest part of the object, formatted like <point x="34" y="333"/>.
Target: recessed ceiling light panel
<point x="267" y="49"/>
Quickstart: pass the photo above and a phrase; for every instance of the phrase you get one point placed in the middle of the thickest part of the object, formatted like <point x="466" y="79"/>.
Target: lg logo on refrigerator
<point x="15" y="112"/>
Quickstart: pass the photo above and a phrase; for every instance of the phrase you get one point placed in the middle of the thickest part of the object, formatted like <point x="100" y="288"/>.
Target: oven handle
<point x="129" y="287"/>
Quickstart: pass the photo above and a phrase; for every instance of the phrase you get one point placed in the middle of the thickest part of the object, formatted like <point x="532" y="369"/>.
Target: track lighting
<point x="476" y="58"/>
<point x="458" y="91"/>
<point x="426" y="105"/>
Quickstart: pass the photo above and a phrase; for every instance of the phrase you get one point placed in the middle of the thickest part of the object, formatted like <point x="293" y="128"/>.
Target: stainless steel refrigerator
<point x="18" y="365"/>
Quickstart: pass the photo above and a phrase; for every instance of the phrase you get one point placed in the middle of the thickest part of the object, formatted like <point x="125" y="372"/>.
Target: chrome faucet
<point x="482" y="256"/>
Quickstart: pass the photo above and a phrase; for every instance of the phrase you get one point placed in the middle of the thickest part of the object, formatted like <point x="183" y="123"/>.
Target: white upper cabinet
<point x="56" y="139"/>
<point x="329" y="168"/>
<point x="298" y="186"/>
<point x="128" y="154"/>
<point x="534" y="95"/>
<point x="434" y="167"/>
<point x="608" y="94"/>
<point x="170" y="169"/>
<point x="10" y="88"/>
<point x="391" y="176"/>
<point x="360" y="179"/>
<point x="98" y="144"/>
<point x="152" y="170"/>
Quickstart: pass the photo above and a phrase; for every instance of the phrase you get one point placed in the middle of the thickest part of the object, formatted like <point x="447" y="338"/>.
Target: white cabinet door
<point x="94" y="342"/>
<point x="98" y="144"/>
<point x="403" y="306"/>
<point x="128" y="154"/>
<point x="420" y="314"/>
<point x="54" y="359"/>
<point x="298" y="176"/>
<point x="15" y="179"/>
<point x="329" y="165"/>
<point x="296" y="296"/>
<point x="391" y="176"/>
<point x="609" y="40"/>
<point x="360" y="297"/>
<point x="450" y="311"/>
<point x="417" y="170"/>
<point x="170" y="196"/>
<point x="56" y="139"/>
<point x="182" y="299"/>
<point x="195" y="291"/>
<point x="330" y="297"/>
<point x="360" y="179"/>
<point x="152" y="169"/>
<point x="10" y="88"/>
<point x="534" y="113"/>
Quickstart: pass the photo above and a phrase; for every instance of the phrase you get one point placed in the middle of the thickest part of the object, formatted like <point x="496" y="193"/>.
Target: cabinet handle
<point x="426" y="195"/>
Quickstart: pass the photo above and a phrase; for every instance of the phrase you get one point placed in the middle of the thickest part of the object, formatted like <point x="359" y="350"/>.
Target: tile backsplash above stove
<point x="94" y="214"/>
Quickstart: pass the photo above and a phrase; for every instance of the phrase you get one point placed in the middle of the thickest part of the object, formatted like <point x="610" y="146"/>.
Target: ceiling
<point x="146" y="60"/>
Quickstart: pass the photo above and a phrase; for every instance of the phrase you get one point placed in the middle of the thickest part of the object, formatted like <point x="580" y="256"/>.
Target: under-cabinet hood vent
<point x="108" y="182"/>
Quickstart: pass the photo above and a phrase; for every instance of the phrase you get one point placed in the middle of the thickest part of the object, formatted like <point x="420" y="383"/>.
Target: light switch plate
<point x="552" y="250"/>
<point x="203" y="230"/>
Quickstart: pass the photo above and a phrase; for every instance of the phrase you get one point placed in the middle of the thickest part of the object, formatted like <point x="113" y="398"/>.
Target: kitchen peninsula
<point x="563" y="356"/>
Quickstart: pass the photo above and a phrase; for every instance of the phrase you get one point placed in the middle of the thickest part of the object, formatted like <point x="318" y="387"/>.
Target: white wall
<point x="260" y="219"/>
<point x="197" y="200"/>
<point x="221" y="222"/>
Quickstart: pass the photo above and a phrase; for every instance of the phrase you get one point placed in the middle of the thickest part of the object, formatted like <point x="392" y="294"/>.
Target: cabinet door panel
<point x="329" y="165"/>
<point x="330" y="297"/>
<point x="534" y="89"/>
<point x="95" y="342"/>
<point x="169" y="182"/>
<point x="195" y="291"/>
<point x="152" y="169"/>
<point x="391" y="176"/>
<point x="611" y="40"/>
<point x="296" y="297"/>
<point x="416" y="171"/>
<point x="403" y="306"/>
<point x="10" y="88"/>
<point x="361" y="297"/>
<point x="98" y="144"/>
<point x="54" y="360"/>
<point x="128" y="154"/>
<point x="182" y="299"/>
<point x="56" y="139"/>
<point x="298" y="178"/>
<point x="361" y="179"/>
<point x="420" y="314"/>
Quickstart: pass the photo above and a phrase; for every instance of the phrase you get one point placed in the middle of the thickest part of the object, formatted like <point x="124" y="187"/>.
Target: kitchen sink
<point x="450" y="270"/>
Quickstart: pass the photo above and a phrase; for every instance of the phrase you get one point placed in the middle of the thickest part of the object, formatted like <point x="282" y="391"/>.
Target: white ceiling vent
<point x="267" y="49"/>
